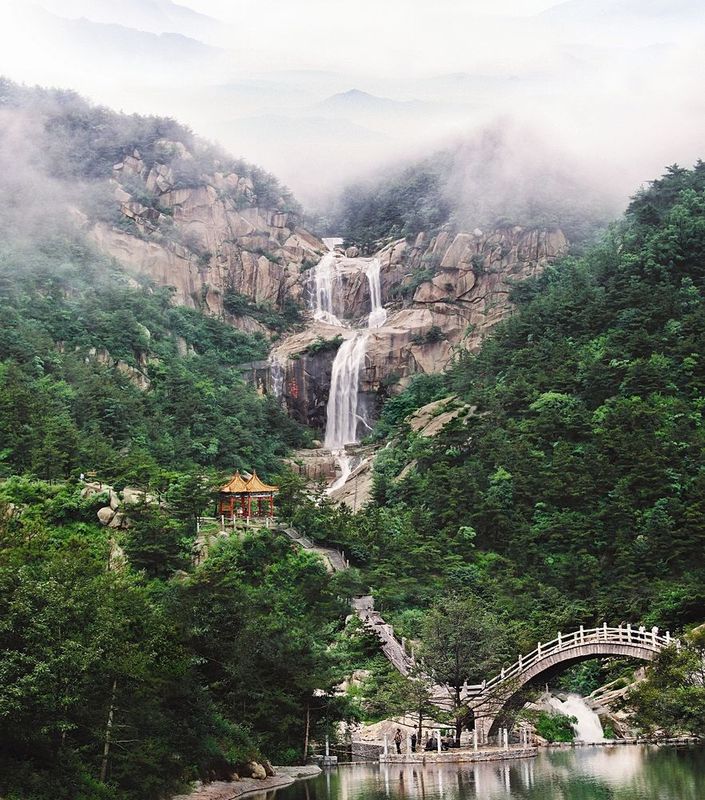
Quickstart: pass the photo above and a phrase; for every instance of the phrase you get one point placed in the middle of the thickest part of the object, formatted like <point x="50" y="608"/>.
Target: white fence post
<point x="474" y="738"/>
<point x="629" y="631"/>
<point x="582" y="634"/>
<point x="560" y="644"/>
<point x="438" y="740"/>
<point x="604" y="628"/>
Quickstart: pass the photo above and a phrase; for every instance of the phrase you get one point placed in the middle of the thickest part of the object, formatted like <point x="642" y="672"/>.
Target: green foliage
<point x="195" y="668"/>
<point x="466" y="186"/>
<point x="555" y="727"/>
<point x="433" y="335"/>
<point x="80" y="141"/>
<point x="241" y="305"/>
<point x="321" y="345"/>
<point x="93" y="377"/>
<point x="412" y="200"/>
<point x="582" y="471"/>
<point x="672" y="698"/>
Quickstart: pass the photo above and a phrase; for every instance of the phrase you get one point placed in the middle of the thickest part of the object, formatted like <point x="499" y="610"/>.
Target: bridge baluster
<point x="619" y="632"/>
<point x="654" y="634"/>
<point x="629" y="631"/>
<point x="668" y="638"/>
<point x="538" y="650"/>
<point x="559" y="640"/>
<point x="604" y="628"/>
<point x="582" y="634"/>
<point x="520" y="661"/>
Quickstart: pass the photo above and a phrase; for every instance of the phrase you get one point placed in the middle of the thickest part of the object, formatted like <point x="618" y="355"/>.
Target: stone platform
<point x="459" y="756"/>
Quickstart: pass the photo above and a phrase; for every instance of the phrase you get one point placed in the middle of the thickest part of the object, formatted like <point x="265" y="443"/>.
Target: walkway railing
<point x="622" y="634"/>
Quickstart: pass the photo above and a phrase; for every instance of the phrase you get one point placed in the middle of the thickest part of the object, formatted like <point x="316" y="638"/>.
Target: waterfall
<point x="378" y="314"/>
<point x="341" y="412"/>
<point x="342" y="416"/>
<point x="277" y="372"/>
<point x="588" y="727"/>
<point x="324" y="277"/>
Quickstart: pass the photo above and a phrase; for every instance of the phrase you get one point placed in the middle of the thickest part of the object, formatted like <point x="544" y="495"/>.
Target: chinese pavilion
<point x="246" y="498"/>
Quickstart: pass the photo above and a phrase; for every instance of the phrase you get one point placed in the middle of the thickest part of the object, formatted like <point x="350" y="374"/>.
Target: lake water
<point x="592" y="773"/>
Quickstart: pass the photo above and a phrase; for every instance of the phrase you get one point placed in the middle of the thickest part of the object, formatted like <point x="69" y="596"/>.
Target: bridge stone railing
<point x="622" y="634"/>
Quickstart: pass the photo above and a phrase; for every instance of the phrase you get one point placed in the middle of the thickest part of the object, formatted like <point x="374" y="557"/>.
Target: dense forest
<point x="80" y="343"/>
<point x="569" y="488"/>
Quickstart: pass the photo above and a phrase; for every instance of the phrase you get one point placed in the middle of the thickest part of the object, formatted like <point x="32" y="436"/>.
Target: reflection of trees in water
<point x="620" y="773"/>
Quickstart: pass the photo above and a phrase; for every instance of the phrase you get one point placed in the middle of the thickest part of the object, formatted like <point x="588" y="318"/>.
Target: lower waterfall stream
<point x="588" y="727"/>
<point x="342" y="415"/>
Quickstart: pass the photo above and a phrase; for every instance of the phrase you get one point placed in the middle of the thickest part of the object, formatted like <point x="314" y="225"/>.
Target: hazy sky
<point x="614" y="84"/>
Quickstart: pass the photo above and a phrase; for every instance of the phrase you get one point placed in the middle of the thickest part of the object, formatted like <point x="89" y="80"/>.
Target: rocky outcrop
<point x="441" y="293"/>
<point x="113" y="514"/>
<point x="202" y="232"/>
<point x="205" y="237"/>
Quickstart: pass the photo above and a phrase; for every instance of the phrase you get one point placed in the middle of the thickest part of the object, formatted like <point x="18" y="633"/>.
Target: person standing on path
<point x="413" y="742"/>
<point x="397" y="740"/>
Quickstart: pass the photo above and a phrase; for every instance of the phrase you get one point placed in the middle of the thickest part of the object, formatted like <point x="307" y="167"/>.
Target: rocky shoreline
<point x="233" y="790"/>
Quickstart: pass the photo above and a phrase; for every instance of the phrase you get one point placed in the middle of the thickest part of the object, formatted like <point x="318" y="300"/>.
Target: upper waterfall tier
<point x="378" y="314"/>
<point x="324" y="278"/>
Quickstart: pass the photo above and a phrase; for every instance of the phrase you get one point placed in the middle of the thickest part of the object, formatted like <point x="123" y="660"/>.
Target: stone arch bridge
<point x="491" y="700"/>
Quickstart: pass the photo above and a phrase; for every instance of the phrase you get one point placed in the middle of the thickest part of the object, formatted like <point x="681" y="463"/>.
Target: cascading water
<point x="324" y="275"/>
<point x="341" y="412"/>
<point x="588" y="727"/>
<point x="277" y="372"/>
<point x="378" y="314"/>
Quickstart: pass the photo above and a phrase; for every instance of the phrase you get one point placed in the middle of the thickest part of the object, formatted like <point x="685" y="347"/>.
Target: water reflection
<point x="618" y="773"/>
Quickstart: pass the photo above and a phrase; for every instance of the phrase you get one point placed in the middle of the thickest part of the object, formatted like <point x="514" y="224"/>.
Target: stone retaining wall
<point x="366" y="751"/>
<point x="495" y="754"/>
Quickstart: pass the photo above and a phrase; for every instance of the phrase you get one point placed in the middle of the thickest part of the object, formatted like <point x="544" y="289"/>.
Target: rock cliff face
<point x="206" y="237"/>
<point x="441" y="293"/>
<point x="205" y="233"/>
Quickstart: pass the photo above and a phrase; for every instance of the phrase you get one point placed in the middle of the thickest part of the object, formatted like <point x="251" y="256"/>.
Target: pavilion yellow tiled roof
<point x="235" y="485"/>
<point x="256" y="485"/>
<point x="238" y="485"/>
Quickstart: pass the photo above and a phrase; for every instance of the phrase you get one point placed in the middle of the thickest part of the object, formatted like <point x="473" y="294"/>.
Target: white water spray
<point x="277" y="372"/>
<point x="341" y="412"/>
<point x="588" y="727"/>
<point x="378" y="314"/>
<point x="324" y="279"/>
<point x="341" y="419"/>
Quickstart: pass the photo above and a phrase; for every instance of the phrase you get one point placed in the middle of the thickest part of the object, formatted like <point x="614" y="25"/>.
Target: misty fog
<point x="604" y="92"/>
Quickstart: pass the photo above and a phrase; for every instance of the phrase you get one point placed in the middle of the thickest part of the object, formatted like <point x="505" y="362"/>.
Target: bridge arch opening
<point x="493" y="701"/>
<point x="505" y="716"/>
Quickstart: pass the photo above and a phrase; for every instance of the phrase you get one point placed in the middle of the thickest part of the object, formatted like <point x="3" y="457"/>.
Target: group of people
<point x="430" y="745"/>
